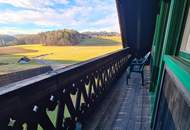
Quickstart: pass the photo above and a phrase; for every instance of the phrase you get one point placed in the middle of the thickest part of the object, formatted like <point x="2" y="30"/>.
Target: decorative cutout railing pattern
<point x="71" y="93"/>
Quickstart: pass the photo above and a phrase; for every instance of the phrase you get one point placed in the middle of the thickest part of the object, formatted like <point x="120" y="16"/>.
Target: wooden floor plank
<point x="126" y="107"/>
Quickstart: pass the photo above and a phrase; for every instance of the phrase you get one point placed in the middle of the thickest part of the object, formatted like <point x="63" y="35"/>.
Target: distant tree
<point x="60" y="37"/>
<point x="57" y="37"/>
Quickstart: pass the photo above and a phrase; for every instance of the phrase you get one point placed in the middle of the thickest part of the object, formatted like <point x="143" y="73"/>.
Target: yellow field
<point x="89" y="48"/>
<point x="113" y="38"/>
<point x="68" y="53"/>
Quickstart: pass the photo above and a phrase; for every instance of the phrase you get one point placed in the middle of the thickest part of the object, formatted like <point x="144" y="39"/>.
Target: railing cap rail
<point x="27" y="82"/>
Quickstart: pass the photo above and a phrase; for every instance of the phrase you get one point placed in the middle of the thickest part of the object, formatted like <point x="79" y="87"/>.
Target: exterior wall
<point x="174" y="105"/>
<point x="21" y="75"/>
<point x="167" y="44"/>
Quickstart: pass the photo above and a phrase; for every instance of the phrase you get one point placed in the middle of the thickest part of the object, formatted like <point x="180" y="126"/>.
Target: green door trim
<point x="157" y="48"/>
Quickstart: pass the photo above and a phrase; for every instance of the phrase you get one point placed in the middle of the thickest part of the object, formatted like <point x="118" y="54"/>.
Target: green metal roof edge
<point x="179" y="69"/>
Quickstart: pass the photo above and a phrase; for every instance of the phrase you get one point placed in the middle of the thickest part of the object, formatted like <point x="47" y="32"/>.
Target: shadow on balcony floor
<point x="126" y="107"/>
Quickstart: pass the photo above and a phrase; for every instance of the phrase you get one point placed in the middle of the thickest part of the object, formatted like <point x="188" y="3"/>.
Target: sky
<point x="34" y="16"/>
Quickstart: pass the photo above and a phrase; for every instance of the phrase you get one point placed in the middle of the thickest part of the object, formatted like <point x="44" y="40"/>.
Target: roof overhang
<point x="137" y="20"/>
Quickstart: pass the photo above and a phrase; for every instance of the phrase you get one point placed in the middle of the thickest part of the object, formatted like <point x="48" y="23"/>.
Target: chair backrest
<point x="141" y="62"/>
<point x="145" y="60"/>
<point x="147" y="55"/>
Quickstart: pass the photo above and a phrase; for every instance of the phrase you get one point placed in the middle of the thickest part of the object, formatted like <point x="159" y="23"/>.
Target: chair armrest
<point x="136" y="63"/>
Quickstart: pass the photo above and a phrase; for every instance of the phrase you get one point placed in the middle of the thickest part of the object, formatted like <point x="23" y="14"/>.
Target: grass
<point x="89" y="48"/>
<point x="68" y="53"/>
<point x="116" y="39"/>
<point x="8" y="63"/>
<point x="101" y="41"/>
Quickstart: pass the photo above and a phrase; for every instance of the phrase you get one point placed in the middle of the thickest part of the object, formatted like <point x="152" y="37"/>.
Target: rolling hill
<point x="63" y="37"/>
<point x="6" y="40"/>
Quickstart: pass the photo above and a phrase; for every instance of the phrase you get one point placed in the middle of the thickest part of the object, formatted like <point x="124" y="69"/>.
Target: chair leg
<point x="142" y="76"/>
<point x="130" y="70"/>
<point x="127" y="78"/>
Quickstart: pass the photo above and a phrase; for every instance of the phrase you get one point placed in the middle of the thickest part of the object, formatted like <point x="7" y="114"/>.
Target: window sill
<point x="180" y="68"/>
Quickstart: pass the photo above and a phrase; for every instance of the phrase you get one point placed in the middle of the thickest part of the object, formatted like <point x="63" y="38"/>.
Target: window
<point x="185" y="46"/>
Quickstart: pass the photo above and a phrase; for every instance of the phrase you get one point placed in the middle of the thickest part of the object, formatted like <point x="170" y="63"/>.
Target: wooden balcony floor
<point x="126" y="107"/>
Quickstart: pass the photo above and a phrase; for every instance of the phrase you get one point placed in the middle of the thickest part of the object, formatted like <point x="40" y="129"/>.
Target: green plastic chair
<point x="137" y="66"/>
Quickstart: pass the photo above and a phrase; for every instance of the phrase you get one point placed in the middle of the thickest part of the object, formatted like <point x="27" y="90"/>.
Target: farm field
<point x="67" y="53"/>
<point x="87" y="49"/>
<point x="102" y="40"/>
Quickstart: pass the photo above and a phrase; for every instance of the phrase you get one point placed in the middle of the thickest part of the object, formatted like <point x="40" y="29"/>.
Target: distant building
<point x="24" y="60"/>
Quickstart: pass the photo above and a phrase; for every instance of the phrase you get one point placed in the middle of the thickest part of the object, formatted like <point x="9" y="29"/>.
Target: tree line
<point x="57" y="37"/>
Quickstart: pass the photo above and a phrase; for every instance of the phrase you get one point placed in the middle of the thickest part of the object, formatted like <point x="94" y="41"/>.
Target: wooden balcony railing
<point x="71" y="93"/>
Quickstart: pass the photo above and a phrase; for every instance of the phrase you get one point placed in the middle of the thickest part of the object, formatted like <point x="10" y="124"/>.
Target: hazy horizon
<point x="57" y="30"/>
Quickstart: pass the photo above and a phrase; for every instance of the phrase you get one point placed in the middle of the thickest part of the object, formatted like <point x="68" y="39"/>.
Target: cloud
<point x="48" y="18"/>
<point x="14" y="31"/>
<point x="80" y="14"/>
<point x="33" y="4"/>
